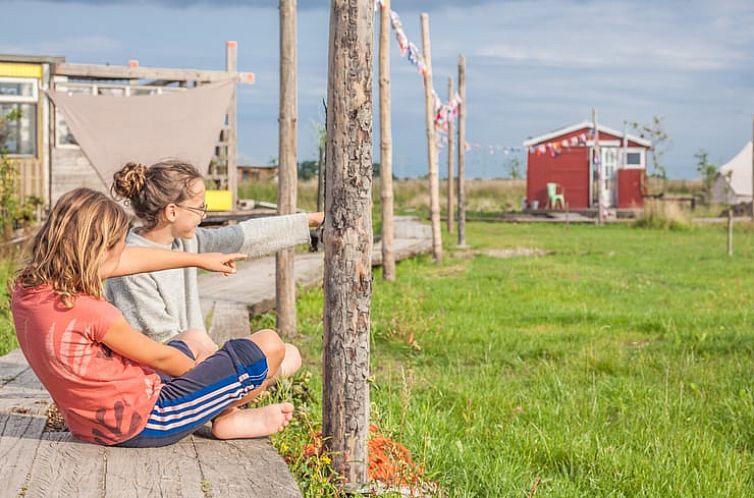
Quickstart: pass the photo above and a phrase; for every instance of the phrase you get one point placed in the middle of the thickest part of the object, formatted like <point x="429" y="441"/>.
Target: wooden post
<point x="231" y="66"/>
<point x="451" y="158"/>
<point x="348" y="239"/>
<point x="386" y="148"/>
<point x="596" y="157"/>
<point x="462" y="151"/>
<point x="434" y="181"/>
<point x="730" y="231"/>
<point x="752" y="170"/>
<point x="285" y="280"/>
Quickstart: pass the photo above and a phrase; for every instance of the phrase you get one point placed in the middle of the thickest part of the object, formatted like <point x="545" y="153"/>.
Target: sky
<point x="532" y="66"/>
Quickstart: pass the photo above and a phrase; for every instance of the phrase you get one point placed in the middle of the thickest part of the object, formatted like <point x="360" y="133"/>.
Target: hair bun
<point x="129" y="181"/>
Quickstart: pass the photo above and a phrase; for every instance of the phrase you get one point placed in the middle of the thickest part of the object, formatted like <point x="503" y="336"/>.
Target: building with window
<point x="567" y="157"/>
<point x="52" y="160"/>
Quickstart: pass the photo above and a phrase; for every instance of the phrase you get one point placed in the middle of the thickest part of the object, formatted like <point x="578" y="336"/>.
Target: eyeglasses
<point x="201" y="210"/>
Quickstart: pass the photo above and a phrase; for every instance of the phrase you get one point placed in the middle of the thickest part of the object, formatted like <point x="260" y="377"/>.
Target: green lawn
<point x="619" y="365"/>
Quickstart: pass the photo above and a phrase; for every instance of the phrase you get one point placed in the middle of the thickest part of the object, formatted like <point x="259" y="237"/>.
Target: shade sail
<point x="112" y="130"/>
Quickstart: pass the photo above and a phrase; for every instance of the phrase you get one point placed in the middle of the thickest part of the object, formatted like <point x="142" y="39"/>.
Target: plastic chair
<point x="553" y="197"/>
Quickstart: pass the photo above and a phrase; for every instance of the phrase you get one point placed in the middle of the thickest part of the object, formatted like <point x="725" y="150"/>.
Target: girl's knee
<point x="271" y="345"/>
<point x="198" y="342"/>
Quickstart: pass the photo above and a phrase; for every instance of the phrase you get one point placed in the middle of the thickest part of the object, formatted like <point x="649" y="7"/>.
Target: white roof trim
<point x="584" y="124"/>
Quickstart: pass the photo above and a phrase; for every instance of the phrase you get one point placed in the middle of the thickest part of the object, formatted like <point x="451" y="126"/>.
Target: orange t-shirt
<point x="104" y="397"/>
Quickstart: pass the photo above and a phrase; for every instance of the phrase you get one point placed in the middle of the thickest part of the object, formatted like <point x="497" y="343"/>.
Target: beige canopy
<point x="112" y="130"/>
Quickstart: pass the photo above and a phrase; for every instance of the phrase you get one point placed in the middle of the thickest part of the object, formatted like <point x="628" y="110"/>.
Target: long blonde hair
<point x="71" y="246"/>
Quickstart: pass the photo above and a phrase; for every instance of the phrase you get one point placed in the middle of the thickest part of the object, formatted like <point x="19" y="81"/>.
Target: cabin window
<point x="18" y="128"/>
<point x="633" y="158"/>
<point x="18" y="115"/>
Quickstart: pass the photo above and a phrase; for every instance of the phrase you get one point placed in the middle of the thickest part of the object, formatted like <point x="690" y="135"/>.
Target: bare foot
<point x="254" y="422"/>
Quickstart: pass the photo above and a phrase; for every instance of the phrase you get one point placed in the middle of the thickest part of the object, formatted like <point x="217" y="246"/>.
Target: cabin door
<point x="609" y="161"/>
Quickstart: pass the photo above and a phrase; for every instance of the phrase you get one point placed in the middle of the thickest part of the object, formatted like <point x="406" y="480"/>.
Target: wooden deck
<point x="36" y="462"/>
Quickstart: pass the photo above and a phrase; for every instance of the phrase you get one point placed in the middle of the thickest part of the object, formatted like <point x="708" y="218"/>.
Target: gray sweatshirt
<point x="165" y="303"/>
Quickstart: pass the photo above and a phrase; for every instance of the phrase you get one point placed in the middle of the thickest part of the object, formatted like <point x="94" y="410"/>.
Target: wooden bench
<point x="35" y="462"/>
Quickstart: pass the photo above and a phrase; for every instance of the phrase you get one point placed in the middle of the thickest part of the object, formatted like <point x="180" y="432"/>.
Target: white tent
<point x="733" y="181"/>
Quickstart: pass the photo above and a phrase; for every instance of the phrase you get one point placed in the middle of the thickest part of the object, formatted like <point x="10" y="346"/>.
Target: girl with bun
<point x="114" y="385"/>
<point x="168" y="199"/>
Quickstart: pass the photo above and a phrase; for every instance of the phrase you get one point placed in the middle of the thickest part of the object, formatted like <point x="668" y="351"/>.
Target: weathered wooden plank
<point x="19" y="441"/>
<point x="229" y="320"/>
<point x="24" y="395"/>
<point x="170" y="471"/>
<point x="66" y="467"/>
<point x="126" y="72"/>
<point x="11" y="365"/>
<point x="244" y="468"/>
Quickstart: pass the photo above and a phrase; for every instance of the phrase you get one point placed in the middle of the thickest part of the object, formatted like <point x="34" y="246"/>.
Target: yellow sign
<point x="20" y="70"/>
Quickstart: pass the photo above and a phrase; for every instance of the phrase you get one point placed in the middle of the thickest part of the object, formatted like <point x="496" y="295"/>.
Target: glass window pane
<point x="633" y="158"/>
<point x="18" y="128"/>
<point x="17" y="88"/>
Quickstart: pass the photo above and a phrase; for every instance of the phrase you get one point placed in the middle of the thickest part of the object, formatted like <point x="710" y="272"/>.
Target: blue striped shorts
<point x="187" y="402"/>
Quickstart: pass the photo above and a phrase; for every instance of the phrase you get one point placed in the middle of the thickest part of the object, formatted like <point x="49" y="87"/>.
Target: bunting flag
<point x="556" y="148"/>
<point x="443" y="112"/>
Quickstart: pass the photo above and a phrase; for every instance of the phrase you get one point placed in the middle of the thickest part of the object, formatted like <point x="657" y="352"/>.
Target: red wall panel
<point x="569" y="169"/>
<point x="630" y="183"/>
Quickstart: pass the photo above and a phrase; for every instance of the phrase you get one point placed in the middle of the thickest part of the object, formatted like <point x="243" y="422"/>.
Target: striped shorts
<point x="187" y="402"/>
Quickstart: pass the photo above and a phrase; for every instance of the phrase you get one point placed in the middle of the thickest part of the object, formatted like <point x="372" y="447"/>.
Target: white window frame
<point x="21" y="99"/>
<point x="642" y="154"/>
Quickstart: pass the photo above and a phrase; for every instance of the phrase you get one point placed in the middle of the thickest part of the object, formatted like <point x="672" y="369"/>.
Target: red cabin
<point x="566" y="157"/>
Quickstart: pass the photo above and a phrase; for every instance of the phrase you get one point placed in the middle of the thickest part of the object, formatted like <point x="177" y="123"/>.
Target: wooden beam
<point x="348" y="239"/>
<point x="386" y="148"/>
<point x="231" y="66"/>
<point x="285" y="304"/>
<point x="434" y="181"/>
<point x="462" y="151"/>
<point x="451" y="158"/>
<point x="98" y="71"/>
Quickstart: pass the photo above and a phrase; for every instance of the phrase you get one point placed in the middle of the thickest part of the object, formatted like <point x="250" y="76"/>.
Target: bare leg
<point x="257" y="422"/>
<point x="291" y="362"/>
<point x="198" y="342"/>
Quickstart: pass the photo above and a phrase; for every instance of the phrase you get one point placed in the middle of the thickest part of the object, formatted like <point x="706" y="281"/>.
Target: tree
<point x="655" y="133"/>
<point x="514" y="168"/>
<point x="13" y="210"/>
<point x="707" y="171"/>
<point x="307" y="170"/>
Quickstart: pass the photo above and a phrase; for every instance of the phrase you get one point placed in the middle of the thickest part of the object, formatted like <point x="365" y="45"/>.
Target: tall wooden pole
<point x="597" y="158"/>
<point x="285" y="289"/>
<point x="752" y="170"/>
<point x="348" y="239"/>
<point x="231" y="66"/>
<point x="462" y="151"/>
<point x="434" y="180"/>
<point x="451" y="159"/>
<point x="386" y="147"/>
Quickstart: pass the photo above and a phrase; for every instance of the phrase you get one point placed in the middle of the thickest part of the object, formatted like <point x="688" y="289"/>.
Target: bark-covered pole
<point x="386" y="147"/>
<point x="434" y="180"/>
<point x="752" y="171"/>
<point x="451" y="158"/>
<point x="285" y="280"/>
<point x="597" y="158"/>
<point x="462" y="151"/>
<point x="348" y="239"/>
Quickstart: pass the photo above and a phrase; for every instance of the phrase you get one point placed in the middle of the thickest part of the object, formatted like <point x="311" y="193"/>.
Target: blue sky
<point x="532" y="66"/>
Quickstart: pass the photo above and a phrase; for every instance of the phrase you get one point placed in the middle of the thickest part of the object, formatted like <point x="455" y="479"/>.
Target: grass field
<point x="618" y="365"/>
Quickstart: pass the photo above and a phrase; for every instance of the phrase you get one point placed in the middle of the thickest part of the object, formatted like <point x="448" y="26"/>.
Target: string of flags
<point x="556" y="148"/>
<point x="445" y="113"/>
